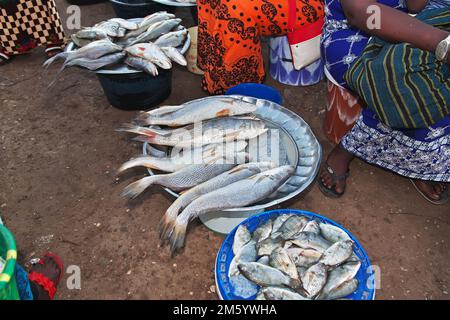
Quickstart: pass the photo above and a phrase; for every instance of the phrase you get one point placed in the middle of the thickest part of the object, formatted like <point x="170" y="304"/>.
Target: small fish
<point x="304" y="257"/>
<point x="197" y="111"/>
<point x="333" y="233"/>
<point x="338" y="276"/>
<point x="337" y="253"/>
<point x="142" y="65"/>
<point x="343" y="290"/>
<point x="312" y="226"/>
<point x="185" y="178"/>
<point x="239" y="194"/>
<point x="150" y="52"/>
<point x="265" y="247"/>
<point x="172" y="39"/>
<point x="241" y="238"/>
<point x="263" y="231"/>
<point x="308" y="240"/>
<point x="245" y="254"/>
<point x="278" y="293"/>
<point x="174" y="55"/>
<point x="266" y="276"/>
<point x="278" y="222"/>
<point x="280" y="259"/>
<point x="314" y="279"/>
<point x="264" y="260"/>
<point x="292" y="226"/>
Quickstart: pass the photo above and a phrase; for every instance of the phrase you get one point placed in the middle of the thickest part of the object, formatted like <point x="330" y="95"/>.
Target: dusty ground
<point x="58" y="192"/>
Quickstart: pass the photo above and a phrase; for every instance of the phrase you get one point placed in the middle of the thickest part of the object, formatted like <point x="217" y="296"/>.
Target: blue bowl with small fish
<point x="226" y="290"/>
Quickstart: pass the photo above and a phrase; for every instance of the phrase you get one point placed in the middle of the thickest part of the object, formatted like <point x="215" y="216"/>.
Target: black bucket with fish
<point x="128" y="9"/>
<point x="136" y="91"/>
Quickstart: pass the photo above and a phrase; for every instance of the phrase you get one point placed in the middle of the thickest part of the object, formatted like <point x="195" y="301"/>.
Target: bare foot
<point x="430" y="189"/>
<point x="339" y="160"/>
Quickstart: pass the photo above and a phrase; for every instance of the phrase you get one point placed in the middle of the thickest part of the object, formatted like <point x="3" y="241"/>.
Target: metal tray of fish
<point x="123" y="68"/>
<point x="175" y="3"/>
<point x="299" y="147"/>
<point x="227" y="290"/>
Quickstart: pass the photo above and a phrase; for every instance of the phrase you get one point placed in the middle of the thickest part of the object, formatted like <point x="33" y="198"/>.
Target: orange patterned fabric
<point x="343" y="110"/>
<point x="229" y="31"/>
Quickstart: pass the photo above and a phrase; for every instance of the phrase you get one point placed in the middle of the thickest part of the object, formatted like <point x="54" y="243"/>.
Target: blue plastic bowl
<point x="256" y="90"/>
<point x="365" y="275"/>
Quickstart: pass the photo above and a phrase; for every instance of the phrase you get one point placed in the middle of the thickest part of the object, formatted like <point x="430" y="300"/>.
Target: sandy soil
<point x="59" y="192"/>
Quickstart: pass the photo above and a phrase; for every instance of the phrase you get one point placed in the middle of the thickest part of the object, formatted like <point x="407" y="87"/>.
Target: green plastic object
<point x="8" y="287"/>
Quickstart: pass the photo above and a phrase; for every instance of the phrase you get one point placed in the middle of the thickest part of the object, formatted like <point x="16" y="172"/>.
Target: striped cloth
<point x="406" y="87"/>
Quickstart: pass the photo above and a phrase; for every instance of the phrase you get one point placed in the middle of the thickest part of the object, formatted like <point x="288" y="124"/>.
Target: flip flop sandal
<point x="4" y="59"/>
<point x="444" y="195"/>
<point x="336" y="178"/>
<point x="48" y="285"/>
<point x="52" y="51"/>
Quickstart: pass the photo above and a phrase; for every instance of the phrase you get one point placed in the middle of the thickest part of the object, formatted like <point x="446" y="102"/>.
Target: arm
<point x="396" y="26"/>
<point x="415" y="6"/>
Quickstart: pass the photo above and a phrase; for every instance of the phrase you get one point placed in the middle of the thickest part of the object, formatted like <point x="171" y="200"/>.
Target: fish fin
<point x="61" y="55"/>
<point x="177" y="238"/>
<point x="57" y="75"/>
<point x="167" y="223"/>
<point x="142" y="119"/>
<point x="164" y="110"/>
<point x="136" y="188"/>
<point x="132" y="128"/>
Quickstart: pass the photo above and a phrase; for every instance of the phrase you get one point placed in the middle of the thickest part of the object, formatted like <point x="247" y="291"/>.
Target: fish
<point x="236" y="174"/>
<point x="263" y="231"/>
<point x="209" y="132"/>
<point x="142" y="65"/>
<point x="301" y="271"/>
<point x="156" y="30"/>
<point x="174" y="55"/>
<point x="308" y="240"/>
<point x="312" y="226"/>
<point x="343" y="290"/>
<point x="185" y="178"/>
<point x="314" y="279"/>
<point x="150" y="52"/>
<point x="111" y="28"/>
<point x="304" y="257"/>
<point x="245" y="254"/>
<point x="145" y="24"/>
<point x="91" y="34"/>
<point x="105" y="61"/>
<point x="291" y="227"/>
<point x="278" y="222"/>
<point x="280" y="259"/>
<point x="79" y="42"/>
<point x="279" y="293"/>
<point x="337" y="253"/>
<point x="333" y="233"/>
<point x="338" y="276"/>
<point x="264" y="260"/>
<point x="172" y="39"/>
<point x="197" y="111"/>
<point x="266" y="246"/>
<point x="266" y="276"/>
<point x="241" y="238"/>
<point x="126" y="24"/>
<point x="93" y="50"/>
<point x="238" y="194"/>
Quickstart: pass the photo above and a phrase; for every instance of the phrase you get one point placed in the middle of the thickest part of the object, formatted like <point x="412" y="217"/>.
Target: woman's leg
<point x="54" y="41"/>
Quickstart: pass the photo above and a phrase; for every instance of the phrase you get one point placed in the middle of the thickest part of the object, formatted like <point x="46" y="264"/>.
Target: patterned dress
<point x="414" y="153"/>
<point x="25" y="24"/>
<point x="229" y="31"/>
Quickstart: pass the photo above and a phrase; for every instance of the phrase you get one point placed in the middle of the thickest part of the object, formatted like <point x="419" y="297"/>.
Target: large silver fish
<point x="144" y="25"/>
<point x="174" y="55"/>
<point x="150" y="52"/>
<point x="194" y="112"/>
<point x="126" y="24"/>
<point x="266" y="276"/>
<point x="183" y="179"/>
<point x="156" y="30"/>
<point x="222" y="130"/>
<point x="105" y="61"/>
<point x="172" y="39"/>
<point x="142" y="65"/>
<point x="239" y="194"/>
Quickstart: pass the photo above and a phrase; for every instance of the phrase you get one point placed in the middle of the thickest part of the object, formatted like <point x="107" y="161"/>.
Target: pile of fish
<point x="143" y="46"/>
<point x="213" y="169"/>
<point x="291" y="257"/>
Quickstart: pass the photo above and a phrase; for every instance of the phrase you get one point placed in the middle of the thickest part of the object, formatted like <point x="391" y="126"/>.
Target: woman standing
<point x="229" y="34"/>
<point x="402" y="74"/>
<point x="25" y="24"/>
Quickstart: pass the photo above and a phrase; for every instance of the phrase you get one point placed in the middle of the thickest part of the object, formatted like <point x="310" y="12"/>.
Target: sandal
<point x="43" y="281"/>
<point x="4" y="59"/>
<point x="444" y="195"/>
<point x="52" y="51"/>
<point x="331" y="192"/>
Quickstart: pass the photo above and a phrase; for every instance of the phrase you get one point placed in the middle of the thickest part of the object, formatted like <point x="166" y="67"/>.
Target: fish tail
<point x="137" y="162"/>
<point x="177" y="238"/>
<point x="167" y="224"/>
<point x="58" y="74"/>
<point x="142" y="119"/>
<point x="136" y="188"/>
<point x="133" y="128"/>
<point x="61" y="55"/>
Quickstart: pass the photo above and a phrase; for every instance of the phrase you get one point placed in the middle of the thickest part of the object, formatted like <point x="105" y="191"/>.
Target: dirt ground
<point x="59" y="192"/>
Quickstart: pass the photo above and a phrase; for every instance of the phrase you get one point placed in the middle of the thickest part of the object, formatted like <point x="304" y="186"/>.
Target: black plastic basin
<point x="128" y="9"/>
<point x="136" y="91"/>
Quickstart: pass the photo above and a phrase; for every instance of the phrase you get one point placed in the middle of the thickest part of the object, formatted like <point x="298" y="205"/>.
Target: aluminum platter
<point x="124" y="69"/>
<point x="298" y="147"/>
